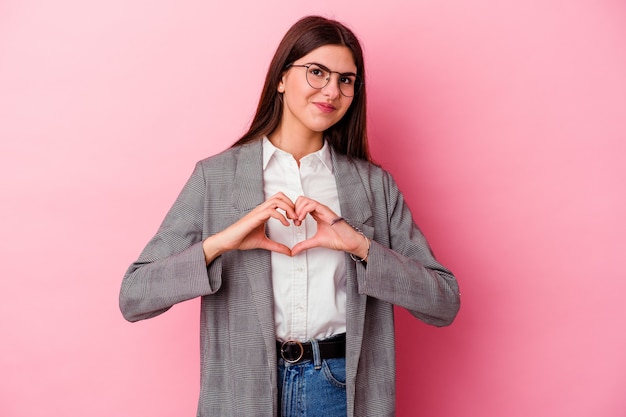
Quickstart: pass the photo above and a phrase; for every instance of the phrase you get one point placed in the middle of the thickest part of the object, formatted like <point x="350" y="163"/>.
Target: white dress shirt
<point x="310" y="288"/>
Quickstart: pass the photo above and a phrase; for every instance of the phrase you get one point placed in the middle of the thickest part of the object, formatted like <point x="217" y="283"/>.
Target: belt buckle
<point x="283" y="351"/>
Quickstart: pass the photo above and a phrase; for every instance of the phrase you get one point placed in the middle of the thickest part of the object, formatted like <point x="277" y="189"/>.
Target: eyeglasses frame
<point x="357" y="79"/>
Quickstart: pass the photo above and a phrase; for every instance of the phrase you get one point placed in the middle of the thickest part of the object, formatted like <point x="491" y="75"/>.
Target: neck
<point x="298" y="145"/>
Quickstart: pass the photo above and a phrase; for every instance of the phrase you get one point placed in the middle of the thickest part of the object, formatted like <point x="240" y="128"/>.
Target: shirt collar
<point x="323" y="154"/>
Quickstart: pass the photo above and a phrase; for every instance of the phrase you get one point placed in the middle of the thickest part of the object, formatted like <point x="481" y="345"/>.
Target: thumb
<point x="274" y="246"/>
<point x="304" y="245"/>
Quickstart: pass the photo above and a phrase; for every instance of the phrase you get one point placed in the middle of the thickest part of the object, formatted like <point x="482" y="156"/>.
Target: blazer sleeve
<point x="405" y="272"/>
<point x="172" y="267"/>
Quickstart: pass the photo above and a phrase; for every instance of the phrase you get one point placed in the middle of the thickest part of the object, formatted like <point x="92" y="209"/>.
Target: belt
<point x="293" y="351"/>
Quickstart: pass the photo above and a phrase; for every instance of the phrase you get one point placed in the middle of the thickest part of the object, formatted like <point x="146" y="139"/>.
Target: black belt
<point x="293" y="351"/>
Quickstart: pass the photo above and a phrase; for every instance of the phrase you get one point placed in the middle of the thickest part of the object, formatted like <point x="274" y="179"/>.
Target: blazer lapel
<point x="247" y="194"/>
<point x="248" y="184"/>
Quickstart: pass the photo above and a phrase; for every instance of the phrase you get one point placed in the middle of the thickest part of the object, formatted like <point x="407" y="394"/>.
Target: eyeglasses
<point x="318" y="77"/>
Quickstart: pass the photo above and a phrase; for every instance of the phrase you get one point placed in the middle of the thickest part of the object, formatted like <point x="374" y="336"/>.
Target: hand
<point x="249" y="231"/>
<point x="339" y="236"/>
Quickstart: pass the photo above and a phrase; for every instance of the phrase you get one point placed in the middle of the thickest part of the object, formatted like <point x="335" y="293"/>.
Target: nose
<point x="331" y="89"/>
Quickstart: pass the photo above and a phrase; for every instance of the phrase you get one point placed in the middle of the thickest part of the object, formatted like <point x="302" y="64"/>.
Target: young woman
<point x="298" y="246"/>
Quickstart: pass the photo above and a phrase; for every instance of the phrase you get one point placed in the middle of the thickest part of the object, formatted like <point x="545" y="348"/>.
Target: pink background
<point x="504" y="122"/>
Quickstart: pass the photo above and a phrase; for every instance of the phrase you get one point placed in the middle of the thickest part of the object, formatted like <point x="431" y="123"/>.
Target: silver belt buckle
<point x="283" y="351"/>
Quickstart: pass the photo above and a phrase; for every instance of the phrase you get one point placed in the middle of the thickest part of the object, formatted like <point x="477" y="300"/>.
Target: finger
<point x="278" y="216"/>
<point x="303" y="201"/>
<point x="304" y="245"/>
<point x="280" y="197"/>
<point x="274" y="246"/>
<point x="320" y="212"/>
<point x="272" y="208"/>
<point x="304" y="207"/>
<point x="284" y="204"/>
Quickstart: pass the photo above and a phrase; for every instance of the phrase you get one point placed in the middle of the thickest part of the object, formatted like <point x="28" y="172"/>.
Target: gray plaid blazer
<point x="238" y="351"/>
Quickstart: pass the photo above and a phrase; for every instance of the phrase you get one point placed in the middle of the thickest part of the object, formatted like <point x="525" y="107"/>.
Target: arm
<point x="402" y="271"/>
<point x="406" y="273"/>
<point x="172" y="267"/>
<point x="177" y="265"/>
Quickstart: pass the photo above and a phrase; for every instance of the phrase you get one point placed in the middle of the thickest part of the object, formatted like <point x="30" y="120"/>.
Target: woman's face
<point x="308" y="110"/>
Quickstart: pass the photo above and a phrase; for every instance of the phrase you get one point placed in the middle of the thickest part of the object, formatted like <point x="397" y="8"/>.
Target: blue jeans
<point x="312" y="388"/>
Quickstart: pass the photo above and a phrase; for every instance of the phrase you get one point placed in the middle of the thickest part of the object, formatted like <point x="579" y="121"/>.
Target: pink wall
<point x="503" y="121"/>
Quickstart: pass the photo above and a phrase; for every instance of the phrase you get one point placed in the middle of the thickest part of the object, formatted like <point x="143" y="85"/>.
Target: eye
<point x="317" y="72"/>
<point x="347" y="79"/>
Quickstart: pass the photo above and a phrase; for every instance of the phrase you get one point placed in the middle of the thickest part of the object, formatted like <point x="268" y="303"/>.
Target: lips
<point x="325" y="107"/>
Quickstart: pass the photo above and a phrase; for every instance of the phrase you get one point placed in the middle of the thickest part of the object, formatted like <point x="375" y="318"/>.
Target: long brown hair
<point x="349" y="135"/>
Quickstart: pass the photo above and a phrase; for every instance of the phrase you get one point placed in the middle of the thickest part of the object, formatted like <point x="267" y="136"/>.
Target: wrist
<point x="212" y="248"/>
<point x="363" y="251"/>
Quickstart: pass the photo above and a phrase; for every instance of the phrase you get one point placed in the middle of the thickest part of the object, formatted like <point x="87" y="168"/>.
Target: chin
<point x="321" y="127"/>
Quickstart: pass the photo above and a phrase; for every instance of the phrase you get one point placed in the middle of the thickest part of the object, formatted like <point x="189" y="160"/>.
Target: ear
<point x="281" y="84"/>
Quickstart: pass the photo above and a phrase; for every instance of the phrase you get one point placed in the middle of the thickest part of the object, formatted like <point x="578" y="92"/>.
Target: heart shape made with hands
<point x="250" y="232"/>
<point x="328" y="235"/>
<point x="297" y="247"/>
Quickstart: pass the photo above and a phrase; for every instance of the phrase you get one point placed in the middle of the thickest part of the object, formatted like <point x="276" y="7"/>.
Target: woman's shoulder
<point x="364" y="167"/>
<point x="229" y="157"/>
